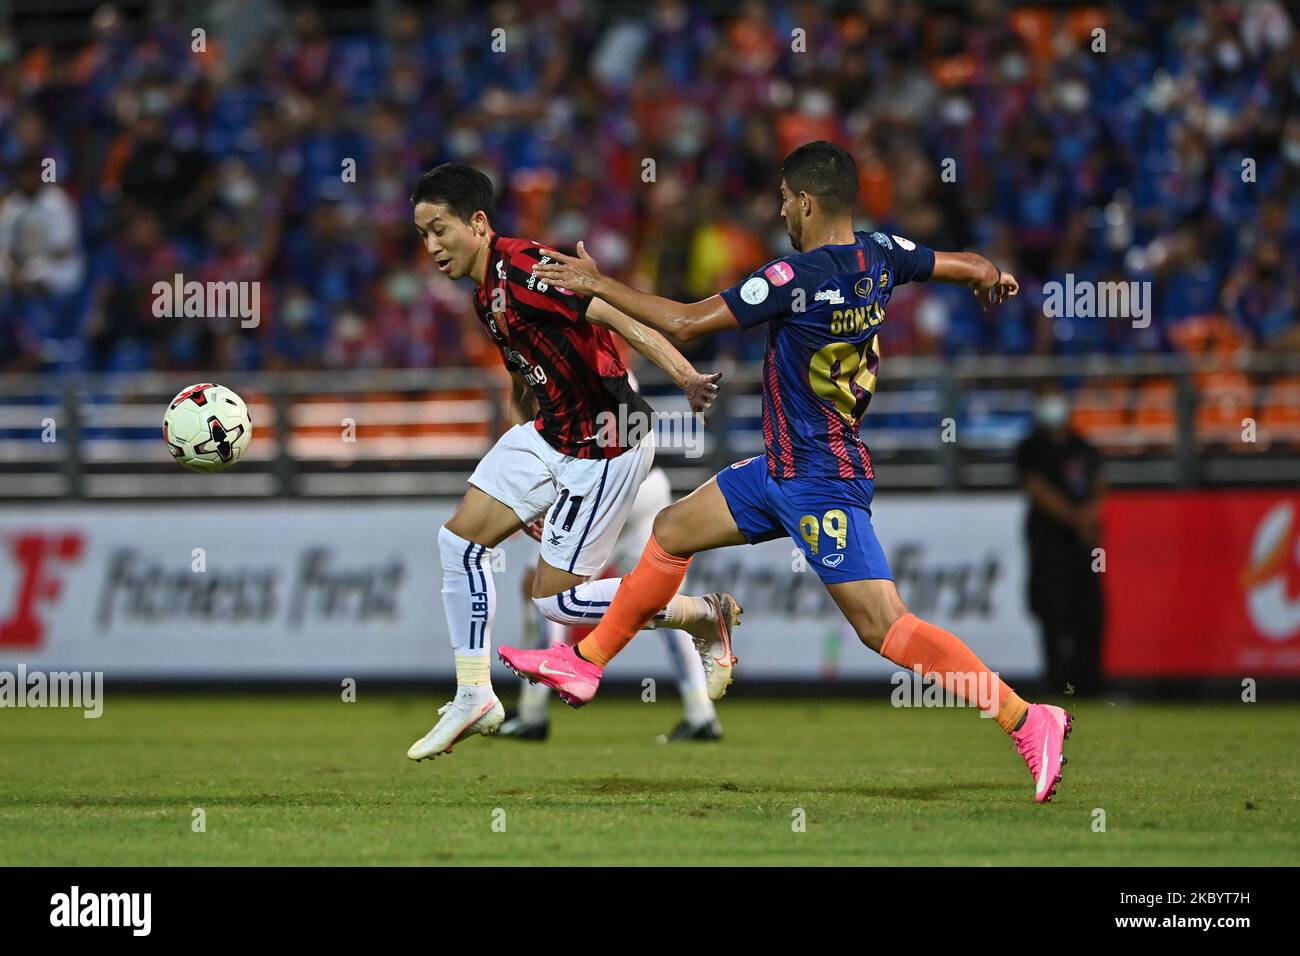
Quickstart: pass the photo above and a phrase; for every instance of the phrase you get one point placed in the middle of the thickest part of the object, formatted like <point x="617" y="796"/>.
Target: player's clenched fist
<point x="1004" y="288"/>
<point x="701" y="390"/>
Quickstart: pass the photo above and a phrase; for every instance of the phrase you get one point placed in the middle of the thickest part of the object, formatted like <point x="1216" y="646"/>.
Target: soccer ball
<point x="207" y="427"/>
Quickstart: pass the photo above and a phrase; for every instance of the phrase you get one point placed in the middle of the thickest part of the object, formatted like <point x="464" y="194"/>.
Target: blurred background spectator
<point x="283" y="151"/>
<point x="41" y="262"/>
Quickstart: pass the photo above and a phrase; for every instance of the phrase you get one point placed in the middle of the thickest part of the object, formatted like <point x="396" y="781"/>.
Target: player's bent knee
<point x="548" y="581"/>
<point x="463" y="527"/>
<point x="454" y="549"/>
<point x="874" y="626"/>
<point x="668" y="529"/>
<point x="483" y="519"/>
<point x="871" y="635"/>
<point x="549" y="606"/>
<point x="455" y="525"/>
<point x="564" y="608"/>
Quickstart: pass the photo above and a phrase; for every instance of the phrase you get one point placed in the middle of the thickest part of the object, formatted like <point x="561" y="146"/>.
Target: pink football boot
<point x="1041" y="742"/>
<point x="574" y="679"/>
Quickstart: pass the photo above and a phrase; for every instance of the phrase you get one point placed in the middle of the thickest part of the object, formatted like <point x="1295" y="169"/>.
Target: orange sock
<point x="641" y="595"/>
<point x="920" y="645"/>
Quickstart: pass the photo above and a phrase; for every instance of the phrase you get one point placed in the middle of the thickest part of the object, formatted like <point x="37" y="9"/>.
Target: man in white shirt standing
<point x="41" y="261"/>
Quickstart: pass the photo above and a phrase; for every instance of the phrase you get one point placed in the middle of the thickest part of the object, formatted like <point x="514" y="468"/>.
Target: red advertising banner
<point x="1202" y="583"/>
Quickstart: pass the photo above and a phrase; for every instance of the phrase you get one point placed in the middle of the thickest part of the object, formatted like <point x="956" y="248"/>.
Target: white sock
<point x="531" y="631"/>
<point x="586" y="604"/>
<point x="469" y="598"/>
<point x="691" y="682"/>
<point x="535" y="699"/>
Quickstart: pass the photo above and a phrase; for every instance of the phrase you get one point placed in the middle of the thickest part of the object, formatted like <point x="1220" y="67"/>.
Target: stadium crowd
<point x="273" y="147"/>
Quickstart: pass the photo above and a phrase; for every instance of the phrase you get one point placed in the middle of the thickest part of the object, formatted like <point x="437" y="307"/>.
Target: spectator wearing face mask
<point x="1060" y="471"/>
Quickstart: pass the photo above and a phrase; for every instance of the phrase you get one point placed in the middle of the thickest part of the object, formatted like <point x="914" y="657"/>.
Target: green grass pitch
<point x="312" y="780"/>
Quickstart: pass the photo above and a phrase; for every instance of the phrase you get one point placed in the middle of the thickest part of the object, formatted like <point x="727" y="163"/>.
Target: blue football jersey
<point x="825" y="308"/>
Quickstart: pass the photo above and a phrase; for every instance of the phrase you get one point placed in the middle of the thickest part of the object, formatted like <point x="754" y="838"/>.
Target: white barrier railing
<point x="1160" y="420"/>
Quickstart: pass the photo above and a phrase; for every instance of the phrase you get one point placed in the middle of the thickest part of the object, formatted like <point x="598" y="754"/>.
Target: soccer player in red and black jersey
<point x="569" y="459"/>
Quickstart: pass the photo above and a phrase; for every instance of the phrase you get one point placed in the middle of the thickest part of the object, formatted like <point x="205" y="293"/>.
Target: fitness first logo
<point x="1271" y="581"/>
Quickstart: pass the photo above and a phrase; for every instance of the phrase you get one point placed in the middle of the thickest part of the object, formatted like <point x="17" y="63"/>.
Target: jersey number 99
<point x="835" y="369"/>
<point x="834" y="523"/>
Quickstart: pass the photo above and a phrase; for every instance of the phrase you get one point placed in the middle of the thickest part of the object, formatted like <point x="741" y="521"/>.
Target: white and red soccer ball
<point x="207" y="427"/>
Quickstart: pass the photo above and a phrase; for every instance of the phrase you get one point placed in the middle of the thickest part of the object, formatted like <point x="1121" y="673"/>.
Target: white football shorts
<point x="586" y="500"/>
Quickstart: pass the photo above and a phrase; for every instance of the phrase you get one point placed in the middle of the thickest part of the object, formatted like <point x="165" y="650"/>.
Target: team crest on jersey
<point x="862" y="288"/>
<point x="754" y="291"/>
<point x="779" y="273"/>
<point x="888" y="241"/>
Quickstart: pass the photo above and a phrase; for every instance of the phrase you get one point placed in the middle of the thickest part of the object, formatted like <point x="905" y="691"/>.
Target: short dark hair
<point x="825" y="171"/>
<point x="463" y="189"/>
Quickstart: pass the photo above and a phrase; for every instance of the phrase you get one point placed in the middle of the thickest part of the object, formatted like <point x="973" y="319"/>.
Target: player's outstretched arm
<point x="990" y="284"/>
<point x="700" y="389"/>
<point x="681" y="320"/>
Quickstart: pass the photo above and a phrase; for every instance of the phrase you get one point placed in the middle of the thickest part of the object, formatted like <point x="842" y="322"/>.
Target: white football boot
<point x="458" y="719"/>
<point x="712" y="640"/>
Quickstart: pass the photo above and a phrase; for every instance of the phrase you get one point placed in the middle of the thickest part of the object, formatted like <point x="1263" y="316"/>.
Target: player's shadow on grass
<point x="631" y="786"/>
<point x="169" y="802"/>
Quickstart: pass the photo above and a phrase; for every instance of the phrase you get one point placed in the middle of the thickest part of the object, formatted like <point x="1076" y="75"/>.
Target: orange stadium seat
<point x="1209" y="335"/>
<point x="955" y="71"/>
<point x="1279" y="413"/>
<point x="1101" y="414"/>
<point x="262" y="414"/>
<point x="1155" y="415"/>
<point x="1223" y="400"/>
<point x="395" y="424"/>
<point x="1038" y="28"/>
<point x="1081" y="22"/>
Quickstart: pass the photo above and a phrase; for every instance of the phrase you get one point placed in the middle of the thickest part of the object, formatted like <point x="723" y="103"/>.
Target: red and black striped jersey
<point x="571" y="364"/>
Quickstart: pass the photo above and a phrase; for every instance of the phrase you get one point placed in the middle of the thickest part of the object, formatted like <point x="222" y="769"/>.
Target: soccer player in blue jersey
<point x="823" y="308"/>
